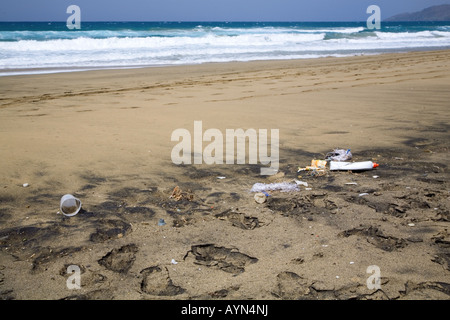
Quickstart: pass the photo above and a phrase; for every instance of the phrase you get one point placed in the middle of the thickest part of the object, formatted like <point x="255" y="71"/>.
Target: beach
<point x="105" y="137"/>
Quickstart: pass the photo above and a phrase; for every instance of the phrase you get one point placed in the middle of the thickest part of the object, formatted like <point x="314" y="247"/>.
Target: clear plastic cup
<point x="69" y="205"/>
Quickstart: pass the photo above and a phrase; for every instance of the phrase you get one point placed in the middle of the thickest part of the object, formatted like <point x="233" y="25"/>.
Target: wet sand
<point x="105" y="137"/>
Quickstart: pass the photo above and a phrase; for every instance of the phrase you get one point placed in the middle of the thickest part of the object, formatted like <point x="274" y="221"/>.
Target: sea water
<point x="42" y="47"/>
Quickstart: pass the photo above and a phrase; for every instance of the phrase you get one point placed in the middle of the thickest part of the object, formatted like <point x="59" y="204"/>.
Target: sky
<point x="207" y="10"/>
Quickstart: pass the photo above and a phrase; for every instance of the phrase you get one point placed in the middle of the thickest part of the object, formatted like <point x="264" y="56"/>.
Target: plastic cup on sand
<point x="69" y="205"/>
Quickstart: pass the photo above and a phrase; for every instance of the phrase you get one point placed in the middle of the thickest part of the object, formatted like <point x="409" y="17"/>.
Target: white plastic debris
<point x="303" y="183"/>
<point x="173" y="261"/>
<point x="363" y="194"/>
<point x="26" y="185"/>
<point x="260" y="197"/>
<point x="69" y="205"/>
<point x="282" y="186"/>
<point x="339" y="155"/>
<point x="352" y="166"/>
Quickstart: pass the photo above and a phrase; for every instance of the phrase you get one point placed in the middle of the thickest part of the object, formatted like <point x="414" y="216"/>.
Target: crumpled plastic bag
<point x="339" y="155"/>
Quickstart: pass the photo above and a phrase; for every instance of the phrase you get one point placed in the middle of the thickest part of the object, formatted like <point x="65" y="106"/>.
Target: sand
<point x="105" y="137"/>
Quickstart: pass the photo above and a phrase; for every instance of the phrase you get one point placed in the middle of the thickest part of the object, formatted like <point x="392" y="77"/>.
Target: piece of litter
<point x="173" y="261"/>
<point x="351" y="262"/>
<point x="353" y="166"/>
<point x="303" y="183"/>
<point x="352" y="183"/>
<point x="375" y="177"/>
<point x="308" y="189"/>
<point x="411" y="224"/>
<point x="221" y="178"/>
<point x="282" y="186"/>
<point x="339" y="155"/>
<point x="363" y="194"/>
<point x="260" y="197"/>
<point x="317" y="167"/>
<point x="69" y="205"/>
<point x="161" y="222"/>
<point x="178" y="195"/>
<point x="26" y="185"/>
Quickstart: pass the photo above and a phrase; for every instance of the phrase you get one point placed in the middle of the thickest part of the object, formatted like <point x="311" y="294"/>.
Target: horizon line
<point x="221" y="21"/>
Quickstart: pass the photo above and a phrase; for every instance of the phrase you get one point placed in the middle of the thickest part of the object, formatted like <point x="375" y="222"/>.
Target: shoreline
<point x="53" y="70"/>
<point x="105" y="137"/>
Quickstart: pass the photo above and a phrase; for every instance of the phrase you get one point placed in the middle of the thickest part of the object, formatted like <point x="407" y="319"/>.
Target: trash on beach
<point x="173" y="261"/>
<point x="363" y="194"/>
<point x="260" y="197"/>
<point x="319" y="164"/>
<point x="317" y="167"/>
<point x="352" y="183"/>
<point x="281" y="186"/>
<point x="303" y="183"/>
<point x="26" y="185"/>
<point x="221" y="178"/>
<point x="69" y="205"/>
<point x="352" y="166"/>
<point x="161" y="222"/>
<point x="339" y="155"/>
<point x="178" y="195"/>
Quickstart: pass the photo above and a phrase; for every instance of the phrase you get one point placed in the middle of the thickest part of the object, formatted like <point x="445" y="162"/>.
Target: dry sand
<point x="105" y="136"/>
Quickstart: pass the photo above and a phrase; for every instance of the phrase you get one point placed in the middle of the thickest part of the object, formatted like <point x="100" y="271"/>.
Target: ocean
<point x="44" y="47"/>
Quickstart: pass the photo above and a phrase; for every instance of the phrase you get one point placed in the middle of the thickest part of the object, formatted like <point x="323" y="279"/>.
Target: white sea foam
<point x="128" y="48"/>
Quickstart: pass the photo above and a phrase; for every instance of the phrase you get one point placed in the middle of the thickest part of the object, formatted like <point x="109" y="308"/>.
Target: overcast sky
<point x="207" y="10"/>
